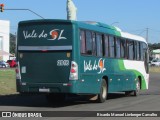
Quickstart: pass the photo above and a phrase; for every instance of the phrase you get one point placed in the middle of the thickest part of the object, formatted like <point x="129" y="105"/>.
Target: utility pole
<point x="147" y="29"/>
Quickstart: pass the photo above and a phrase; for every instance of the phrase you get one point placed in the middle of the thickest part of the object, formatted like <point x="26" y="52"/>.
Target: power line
<point x="138" y="30"/>
<point x="151" y="29"/>
<point x="141" y="32"/>
<point x="155" y="30"/>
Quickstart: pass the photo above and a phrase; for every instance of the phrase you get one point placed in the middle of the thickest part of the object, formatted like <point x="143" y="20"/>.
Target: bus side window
<point x="138" y="50"/>
<point x="118" y="48"/>
<point x="94" y="44"/>
<point x="123" y="48"/>
<point x="111" y="47"/>
<point x="99" y="45"/>
<point x="130" y="49"/>
<point x="106" y="46"/>
<point x="135" y="50"/>
<point x="141" y="51"/>
<point x="145" y="57"/>
<point x="144" y="50"/>
<point x="127" y="44"/>
<point x="83" y="41"/>
<point x="88" y="43"/>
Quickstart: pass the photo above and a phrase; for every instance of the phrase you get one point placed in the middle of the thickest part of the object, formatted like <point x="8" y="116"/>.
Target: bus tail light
<point x="73" y="71"/>
<point x="17" y="70"/>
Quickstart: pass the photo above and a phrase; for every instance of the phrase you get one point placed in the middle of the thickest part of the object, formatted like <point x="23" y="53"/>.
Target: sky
<point x="132" y="16"/>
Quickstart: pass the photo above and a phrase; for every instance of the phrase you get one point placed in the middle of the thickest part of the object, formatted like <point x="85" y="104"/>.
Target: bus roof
<point x="92" y="25"/>
<point x="132" y="36"/>
<point x="121" y="33"/>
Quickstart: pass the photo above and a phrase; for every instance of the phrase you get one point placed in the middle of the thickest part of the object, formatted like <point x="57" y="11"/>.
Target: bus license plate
<point x="44" y="90"/>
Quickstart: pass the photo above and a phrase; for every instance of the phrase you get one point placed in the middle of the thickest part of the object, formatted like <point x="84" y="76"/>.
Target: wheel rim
<point x="104" y="91"/>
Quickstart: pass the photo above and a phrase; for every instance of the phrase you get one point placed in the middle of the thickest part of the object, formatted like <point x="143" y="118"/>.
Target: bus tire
<point x="138" y="87"/>
<point x="102" y="96"/>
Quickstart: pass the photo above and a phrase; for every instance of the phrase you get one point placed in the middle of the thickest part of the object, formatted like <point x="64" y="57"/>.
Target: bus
<point x="59" y="57"/>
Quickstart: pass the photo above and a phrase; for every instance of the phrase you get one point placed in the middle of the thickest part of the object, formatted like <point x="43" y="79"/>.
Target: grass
<point x="7" y="82"/>
<point x="154" y="69"/>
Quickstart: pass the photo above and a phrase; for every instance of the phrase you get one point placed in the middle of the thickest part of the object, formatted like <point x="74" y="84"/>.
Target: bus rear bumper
<point x="72" y="87"/>
<point x="23" y="87"/>
<point x="44" y="88"/>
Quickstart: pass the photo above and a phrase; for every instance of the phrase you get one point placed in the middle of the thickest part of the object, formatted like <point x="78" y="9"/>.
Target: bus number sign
<point x="63" y="63"/>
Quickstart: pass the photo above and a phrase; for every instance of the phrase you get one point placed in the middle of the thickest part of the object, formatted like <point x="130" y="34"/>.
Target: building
<point x="4" y="39"/>
<point x="156" y="54"/>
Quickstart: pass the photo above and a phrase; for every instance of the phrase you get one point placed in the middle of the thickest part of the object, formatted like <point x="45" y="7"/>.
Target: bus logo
<point x="89" y="66"/>
<point x="55" y="34"/>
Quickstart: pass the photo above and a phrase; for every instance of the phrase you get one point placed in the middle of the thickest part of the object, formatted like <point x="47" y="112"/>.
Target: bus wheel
<point x="51" y="98"/>
<point x="102" y="96"/>
<point x="136" y="92"/>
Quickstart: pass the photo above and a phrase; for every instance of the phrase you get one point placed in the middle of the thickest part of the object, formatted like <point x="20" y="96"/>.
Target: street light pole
<point x="29" y="11"/>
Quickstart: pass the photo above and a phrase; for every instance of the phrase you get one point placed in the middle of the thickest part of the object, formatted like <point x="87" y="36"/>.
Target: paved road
<point x="148" y="100"/>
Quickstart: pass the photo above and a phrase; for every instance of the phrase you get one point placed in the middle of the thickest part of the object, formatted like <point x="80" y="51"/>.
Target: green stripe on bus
<point x="137" y="73"/>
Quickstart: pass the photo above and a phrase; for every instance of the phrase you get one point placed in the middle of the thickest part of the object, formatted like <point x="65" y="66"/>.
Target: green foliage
<point x="12" y="43"/>
<point x="154" y="46"/>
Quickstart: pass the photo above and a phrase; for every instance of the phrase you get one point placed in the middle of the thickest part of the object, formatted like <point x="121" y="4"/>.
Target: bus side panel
<point x="136" y="69"/>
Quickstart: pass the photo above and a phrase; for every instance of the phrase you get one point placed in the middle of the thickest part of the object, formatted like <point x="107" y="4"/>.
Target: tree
<point x="153" y="47"/>
<point x="12" y="43"/>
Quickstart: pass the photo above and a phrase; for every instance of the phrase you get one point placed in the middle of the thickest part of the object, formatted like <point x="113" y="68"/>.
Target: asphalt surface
<point x="148" y="100"/>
